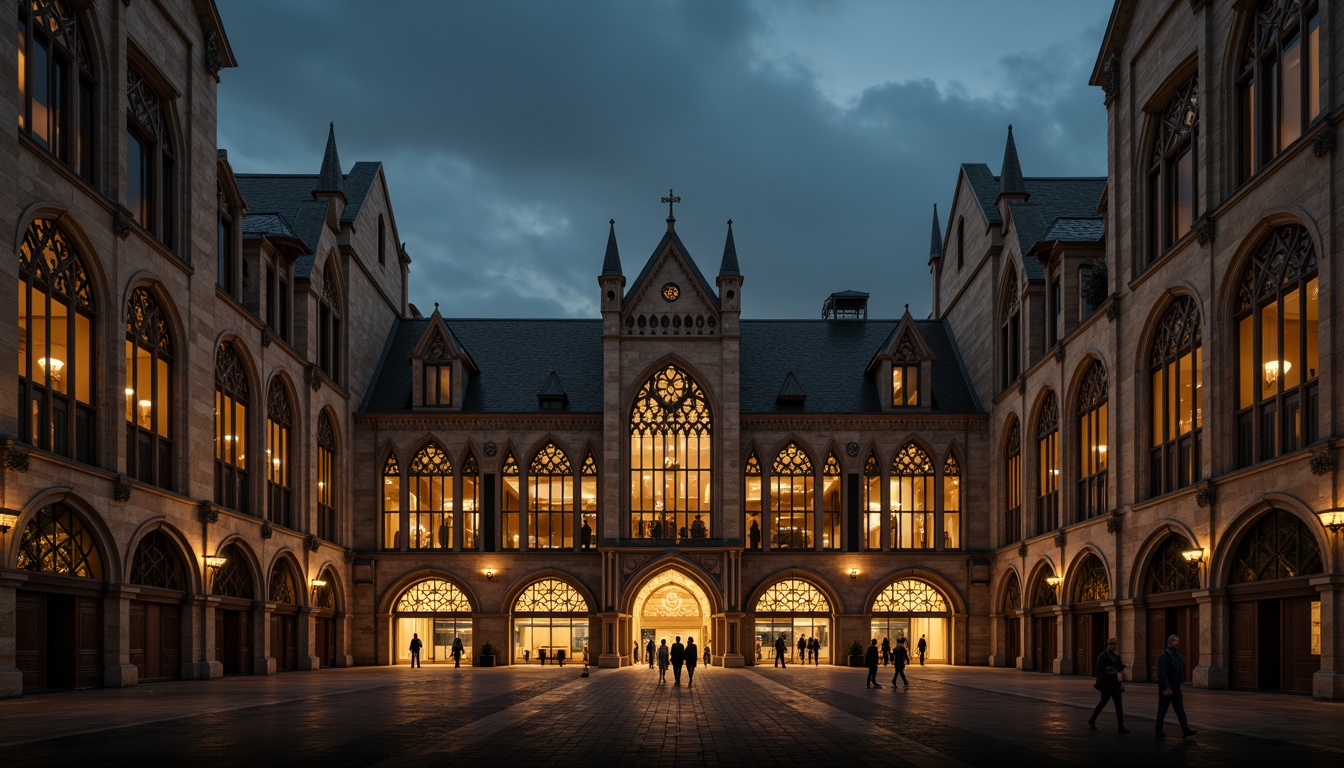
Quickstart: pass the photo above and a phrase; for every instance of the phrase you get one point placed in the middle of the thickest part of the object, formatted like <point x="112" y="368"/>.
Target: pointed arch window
<point x="1093" y="428"/>
<point x="151" y="168"/>
<point x="752" y="477"/>
<point x="1279" y="85"/>
<point x="226" y="256"/>
<point x="511" y="508"/>
<point x="951" y="503"/>
<point x="391" y="503"/>
<point x="326" y="477"/>
<point x="831" y="480"/>
<point x="671" y="456"/>
<point x="158" y="564"/>
<point x="232" y="400"/>
<point x="233" y="578"/>
<point x="1012" y="595"/>
<point x="56" y="540"/>
<point x="1012" y="484"/>
<point x="1278" y="546"/>
<point x="1176" y="370"/>
<point x="912" y="507"/>
<point x="587" y="502"/>
<point x="872" y="503"/>
<point x="1168" y="571"/>
<point x="279" y="431"/>
<point x="1043" y="593"/>
<point x="329" y="325"/>
<point x="57" y="85"/>
<point x="1047" y="462"/>
<point x="283" y="589"/>
<point x="792" y="499"/>
<point x="1010" y="333"/>
<point x="149" y="369"/>
<point x="1278" y="352"/>
<point x="1090" y="582"/>
<point x="430" y="497"/>
<point x="471" y="503"/>
<point x="550" y="596"/>
<point x="550" y="500"/>
<point x="56" y="344"/>
<point x="1171" y="170"/>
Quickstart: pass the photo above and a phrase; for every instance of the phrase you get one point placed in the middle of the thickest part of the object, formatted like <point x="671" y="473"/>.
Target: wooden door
<point x="1187" y="628"/>
<point x="88" y="643"/>
<point x="1157" y="639"/>
<point x="1012" y="647"/>
<point x="1299" y="663"/>
<point x="325" y="646"/>
<point x="170" y="642"/>
<point x="31" y="639"/>
<point x="284" y="642"/>
<point x="1083" y="654"/>
<point x="228" y="641"/>
<point x="137" y="633"/>
<point x="1043" y="643"/>
<point x="1243" y="640"/>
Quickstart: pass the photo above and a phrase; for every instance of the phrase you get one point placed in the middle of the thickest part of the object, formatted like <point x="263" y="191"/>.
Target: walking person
<point x="780" y="647"/>
<point x="802" y="649"/>
<point x="664" y="658"/>
<point x="922" y="646"/>
<point x="692" y="656"/>
<point x="870" y="661"/>
<point x="899" y="658"/>
<point x="1108" y="669"/>
<point x="458" y="650"/>
<point x="416" y="645"/>
<point x="678" y="659"/>
<point x="707" y="655"/>
<point x="651" y="649"/>
<point x="886" y="651"/>
<point x="814" y="650"/>
<point x="1170" y="678"/>
<point x="560" y="656"/>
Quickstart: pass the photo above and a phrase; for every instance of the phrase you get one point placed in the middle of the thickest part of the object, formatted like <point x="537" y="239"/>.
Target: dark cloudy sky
<point x="511" y="131"/>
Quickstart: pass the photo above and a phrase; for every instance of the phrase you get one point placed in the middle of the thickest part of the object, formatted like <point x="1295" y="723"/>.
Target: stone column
<point x="343" y="630"/>
<point x="262" y="664"/>
<point x="1062" y="665"/>
<point x="383" y="636"/>
<point x="998" y="641"/>
<point x="1027" y="661"/>
<point x="1328" y="681"/>
<point x="735" y="634"/>
<point x="118" y="671"/>
<point x="205" y="663"/>
<point x="615" y="635"/>
<point x="11" y="679"/>
<point x="308" y="659"/>
<point x="1213" y="631"/>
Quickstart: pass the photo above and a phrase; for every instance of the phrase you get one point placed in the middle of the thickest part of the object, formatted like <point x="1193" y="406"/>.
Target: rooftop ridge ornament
<point x="671" y="199"/>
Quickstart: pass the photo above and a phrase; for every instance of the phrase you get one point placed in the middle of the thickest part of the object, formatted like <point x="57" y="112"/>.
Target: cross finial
<point x="670" y="200"/>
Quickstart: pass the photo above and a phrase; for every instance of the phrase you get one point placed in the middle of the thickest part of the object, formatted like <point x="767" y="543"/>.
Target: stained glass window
<point x="283" y="589"/>
<point x="1090" y="581"/>
<point x="793" y="596"/>
<point x="910" y="596"/>
<point x="671" y="466"/>
<point x="550" y="596"/>
<point x="433" y="596"/>
<point x="1167" y="570"/>
<point x="56" y="541"/>
<point x="157" y="563"/>
<point x="1278" y="546"/>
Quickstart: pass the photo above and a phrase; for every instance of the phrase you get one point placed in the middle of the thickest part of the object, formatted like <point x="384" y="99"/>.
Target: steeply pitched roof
<point x="611" y="263"/>
<point x="1051" y="199"/>
<point x="936" y="239"/>
<point x="670" y="236"/>
<point x="329" y="178"/>
<point x="1075" y="230"/>
<point x="1010" y="176"/>
<point x="729" y="264"/>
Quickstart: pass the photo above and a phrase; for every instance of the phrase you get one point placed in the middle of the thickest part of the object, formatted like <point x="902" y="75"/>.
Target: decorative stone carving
<point x="121" y="225"/>
<point x="1323" y="143"/>
<point x="313" y="375"/>
<point x="266" y="337"/>
<point x="1021" y="385"/>
<point x="490" y="449"/>
<point x="16" y="459"/>
<point x="631" y="564"/>
<point x="267" y="531"/>
<point x="1111" y="74"/>
<point x="1060" y="538"/>
<point x="208" y="512"/>
<point x="1204" y="232"/>
<point x="313" y="543"/>
<point x="1323" y="462"/>
<point x="349" y="555"/>
<point x="709" y="563"/>
<point x="1059" y="352"/>
<point x="122" y="491"/>
<point x="1113" y="310"/>
<point x="852" y="449"/>
<point x="1022" y="550"/>
<point x="1113" y="524"/>
<point x="1205" y="496"/>
<point x="213" y="62"/>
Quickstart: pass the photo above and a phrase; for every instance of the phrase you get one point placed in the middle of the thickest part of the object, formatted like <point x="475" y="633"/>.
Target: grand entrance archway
<point x="670" y="604"/>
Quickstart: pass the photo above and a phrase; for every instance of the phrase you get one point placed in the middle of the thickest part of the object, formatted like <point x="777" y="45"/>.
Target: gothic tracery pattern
<point x="910" y="596"/>
<point x="1167" y="570"/>
<point x="433" y="596"/>
<point x="1091" y="582"/>
<point x="1279" y="546"/>
<point x="56" y="541"/>
<point x="792" y="596"/>
<point x="550" y="596"/>
<point x="157" y="564"/>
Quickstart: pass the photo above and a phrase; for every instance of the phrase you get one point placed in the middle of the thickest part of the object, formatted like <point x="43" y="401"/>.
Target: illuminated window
<point x="792" y="596"/>
<point x="872" y="503"/>
<point x="792" y="481"/>
<point x="1092" y="430"/>
<point x="512" y="503"/>
<point x="951" y="503"/>
<point x="1047" y="462"/>
<point x="1278" y="546"/>
<point x="430" y="499"/>
<point x="912" y="499"/>
<point x="231" y="402"/>
<point x="1278" y="353"/>
<point x="1279" y="88"/>
<point x="670" y="457"/>
<point x="1171" y="170"/>
<point x="326" y="477"/>
<point x="329" y="324"/>
<point x="471" y="503"/>
<point x="151" y="175"/>
<point x="56" y="540"/>
<point x="588" y="502"/>
<point x="56" y="358"/>
<point x="1043" y="593"/>
<point x="910" y="596"/>
<point x="1168" y="570"/>
<point x="283" y="587"/>
<point x="905" y="386"/>
<point x="391" y="503"/>
<point x="1012" y="484"/>
<point x="234" y="578"/>
<point x="550" y="596"/>
<point x="1090" y="582"/>
<point x="149" y="368"/>
<point x="279" y="428"/>
<point x="433" y="596"/>
<point x="1175" y="369"/>
<point x="830" y="503"/>
<point x="1010" y="333"/>
<point x="56" y="83"/>
<point x="550" y="500"/>
<point x="752" y="483"/>
<point x="438" y="384"/>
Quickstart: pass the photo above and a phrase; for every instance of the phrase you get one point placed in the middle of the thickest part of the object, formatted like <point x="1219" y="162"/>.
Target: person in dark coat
<point x="541" y="656"/>
<point x="780" y="647"/>
<point x="416" y="645"/>
<point x="754" y="535"/>
<point x="870" y="661"/>
<point x="692" y="657"/>
<point x="900" y="656"/>
<point x="802" y="650"/>
<point x="1108" y="669"/>
<point x="923" y="647"/>
<point x="886" y="651"/>
<point x="652" y="649"/>
<point x="678" y="656"/>
<point x="560" y="656"/>
<point x="1170" y="678"/>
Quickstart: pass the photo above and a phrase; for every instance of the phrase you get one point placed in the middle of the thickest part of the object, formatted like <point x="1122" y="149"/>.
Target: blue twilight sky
<point x="511" y="131"/>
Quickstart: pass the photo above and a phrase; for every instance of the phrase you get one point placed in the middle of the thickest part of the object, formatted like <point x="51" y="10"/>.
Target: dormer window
<point x="438" y="384"/>
<point x="905" y="385"/>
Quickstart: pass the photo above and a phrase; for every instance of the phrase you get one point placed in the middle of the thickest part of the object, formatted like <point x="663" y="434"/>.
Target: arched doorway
<point x="792" y="608"/>
<point x="325" y="623"/>
<point x="283" y="593"/>
<point x="1043" y="612"/>
<point x="438" y="612"/>
<point x="670" y="604"/>
<point x="1091" y="622"/>
<point x="914" y="609"/>
<point x="156" y="614"/>
<point x="550" y="615"/>
<point x="233" y="583"/>
<point x="1011" y="608"/>
<point x="1169" y="584"/>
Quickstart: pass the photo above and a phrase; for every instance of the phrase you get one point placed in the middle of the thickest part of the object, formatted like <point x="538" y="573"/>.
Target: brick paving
<point x="800" y="716"/>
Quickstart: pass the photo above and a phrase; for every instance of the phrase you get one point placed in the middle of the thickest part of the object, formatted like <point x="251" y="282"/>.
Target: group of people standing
<point x="676" y="656"/>
<point x="1170" y="678"/>
<point x="417" y="645"/>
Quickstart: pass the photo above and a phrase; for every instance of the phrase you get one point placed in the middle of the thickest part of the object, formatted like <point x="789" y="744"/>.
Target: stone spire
<point x="1010" y="178"/>
<point x="936" y="240"/>
<point x="611" y="265"/>
<point x="729" y="264"/>
<point x="329" y="180"/>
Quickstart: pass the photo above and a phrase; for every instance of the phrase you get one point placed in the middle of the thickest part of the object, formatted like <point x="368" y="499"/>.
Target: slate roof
<point x="1075" y="230"/>
<point x="705" y="286"/>
<point x="1051" y="199"/>
<point x="828" y="359"/>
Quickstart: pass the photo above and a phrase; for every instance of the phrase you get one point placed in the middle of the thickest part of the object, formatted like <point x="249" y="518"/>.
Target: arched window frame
<point x="671" y="456"/>
<point x="1277" y="546"/>
<point x="912" y="499"/>
<point x="57" y="358"/>
<point x="1278" y="352"/>
<point x="151" y="165"/>
<point x="1090" y="581"/>
<point x="471" y="503"/>
<point x="1172" y="170"/>
<point x="511" y="503"/>
<point x="232" y="401"/>
<point x="149" y="391"/>
<point x="58" y="86"/>
<point x="429" y="495"/>
<point x="1177" y="418"/>
<point x="56" y="540"/>
<point x="392" y="505"/>
<point x="752" y="487"/>
<point x="1047" y="465"/>
<point x="832" y="479"/>
<point x="329" y="323"/>
<point x="326" y="477"/>
<point x="550" y="500"/>
<point x="157" y="563"/>
<point x="792" y="498"/>
<point x="1012" y="483"/>
<point x="1279" y="84"/>
<point x="872" y="503"/>
<point x="1093" y="431"/>
<point x="1010" y="332"/>
<point x="1168" y="570"/>
<point x="951" y="502"/>
<point x="280" y="423"/>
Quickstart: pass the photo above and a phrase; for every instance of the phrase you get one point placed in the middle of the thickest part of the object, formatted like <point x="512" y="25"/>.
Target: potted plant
<point x="488" y="653"/>
<point x="855" y="653"/>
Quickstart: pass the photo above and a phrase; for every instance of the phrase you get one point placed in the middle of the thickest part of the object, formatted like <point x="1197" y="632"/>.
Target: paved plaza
<point x="516" y="716"/>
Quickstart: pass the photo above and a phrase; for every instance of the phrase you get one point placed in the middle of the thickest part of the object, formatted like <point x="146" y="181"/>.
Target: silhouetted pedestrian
<point x="458" y="650"/>
<point x="541" y="656"/>
<point x="899" y="658"/>
<point x="780" y="650"/>
<point x="1170" y="678"/>
<point x="886" y="651"/>
<point x="560" y="656"/>
<point x="870" y="661"/>
<point x="1107" y="671"/>
<point x="416" y="645"/>
<point x="664" y="659"/>
<point x="678" y="659"/>
<point x="692" y="657"/>
<point x="922" y="646"/>
<point x="652" y="649"/>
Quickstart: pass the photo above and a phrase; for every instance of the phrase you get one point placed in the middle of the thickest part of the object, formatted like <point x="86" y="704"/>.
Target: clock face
<point x="671" y="291"/>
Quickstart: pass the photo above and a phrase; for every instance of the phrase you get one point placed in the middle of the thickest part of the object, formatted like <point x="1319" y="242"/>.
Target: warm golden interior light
<point x="1193" y="555"/>
<point x="1272" y="370"/>
<point x="1054" y="581"/>
<point x="215" y="561"/>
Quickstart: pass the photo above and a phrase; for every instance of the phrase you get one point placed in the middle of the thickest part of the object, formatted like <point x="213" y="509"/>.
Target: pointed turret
<point x="936" y="239"/>
<point x="729" y="264"/>
<point x="1010" y="177"/>
<point x="611" y="265"/>
<point x="329" y="180"/>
